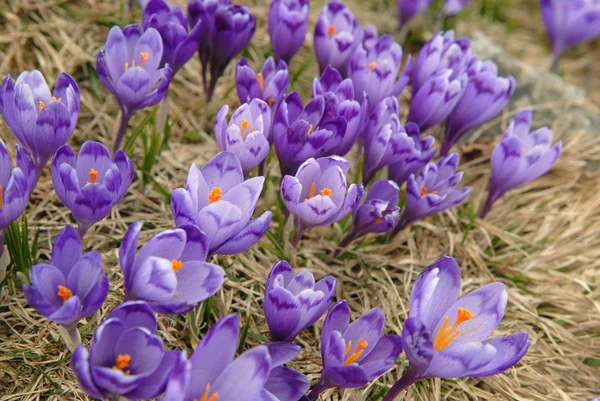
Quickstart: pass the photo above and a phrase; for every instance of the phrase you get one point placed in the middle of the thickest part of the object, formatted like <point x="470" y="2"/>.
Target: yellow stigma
<point x="360" y="349"/>
<point x="445" y="335"/>
<point x="261" y="81"/>
<point x="41" y="105"/>
<point x="326" y="192"/>
<point x="310" y="129"/>
<point x="93" y="175"/>
<point x="331" y="31"/>
<point x="64" y="293"/>
<point x="55" y="99"/>
<point x="122" y="363"/>
<point x="312" y="192"/>
<point x="245" y="124"/>
<point x="205" y="395"/>
<point x="1" y="196"/>
<point x="270" y="101"/>
<point x="215" y="194"/>
<point x="144" y="56"/>
<point x="177" y="265"/>
<point x="372" y="65"/>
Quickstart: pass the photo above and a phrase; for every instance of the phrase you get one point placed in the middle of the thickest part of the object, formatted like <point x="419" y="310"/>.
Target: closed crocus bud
<point x="294" y="302"/>
<point x="520" y="157"/>
<point x="204" y="11"/>
<point x="337" y="35"/>
<point x="179" y="45"/>
<point x="270" y="84"/>
<point x="284" y="384"/>
<point x="422" y="152"/>
<point x="300" y="133"/>
<point x="217" y="200"/>
<point x="92" y="183"/>
<point x="169" y="272"/>
<point x="354" y="353"/>
<point x="370" y="36"/>
<point x="569" y="23"/>
<point x="247" y="133"/>
<point x="126" y="357"/>
<point x="319" y="195"/>
<point x="375" y="71"/>
<point x="453" y="7"/>
<point x="339" y="102"/>
<point x="484" y="98"/>
<point x="16" y="184"/>
<point x="287" y="27"/>
<point x="411" y="8"/>
<point x="42" y="122"/>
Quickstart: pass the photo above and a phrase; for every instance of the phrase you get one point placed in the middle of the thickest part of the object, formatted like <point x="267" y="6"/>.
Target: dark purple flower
<point x="287" y="27"/>
<point x="569" y="23"/>
<point x="126" y="357"/>
<point x="283" y="384"/>
<point x="217" y="200"/>
<point x="339" y="102"/>
<point x="337" y="35"/>
<point x="179" y="45"/>
<point x="483" y="99"/>
<point x="410" y="8"/>
<point x="520" y="157"/>
<point x="354" y="354"/>
<point x="247" y="133"/>
<point x="453" y="7"/>
<point x="294" y="302"/>
<point x="41" y="122"/>
<point x="375" y="71"/>
<point x="319" y="195"/>
<point x="269" y="85"/>
<point x="300" y="133"/>
<point x="92" y="183"/>
<point x="422" y="152"/>
<point x="169" y="272"/>
<point x="447" y="336"/>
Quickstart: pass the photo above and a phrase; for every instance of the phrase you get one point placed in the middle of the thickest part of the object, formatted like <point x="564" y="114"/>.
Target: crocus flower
<point x="300" y="133"/>
<point x="370" y="36"/>
<point x="16" y="184"/>
<point x="569" y="23"/>
<point x="179" y="45"/>
<point x="269" y="85"/>
<point x="129" y="69"/>
<point x="520" y="157"/>
<point x="90" y="184"/>
<point x="169" y="272"/>
<point x="354" y="354"/>
<point x="453" y="7"/>
<point x="217" y="200"/>
<point x="294" y="302"/>
<point x="287" y="27"/>
<point x="126" y="357"/>
<point x="284" y="384"/>
<point x="247" y="133"/>
<point x="337" y="35"/>
<point x="422" y="152"/>
<point x="41" y="122"/>
<point x="433" y="191"/>
<point x="318" y="195"/>
<point x="411" y="8"/>
<point x="339" y="101"/>
<point x="379" y="213"/>
<point x="484" y="98"/>
<point x="447" y="336"/>
<point x="71" y="287"/>
<point x="375" y="71"/>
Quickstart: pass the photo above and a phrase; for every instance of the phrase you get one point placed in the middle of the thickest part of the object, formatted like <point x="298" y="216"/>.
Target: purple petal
<point x="66" y="249"/>
<point x="81" y="366"/>
<point x="247" y="237"/>
<point x="135" y="314"/>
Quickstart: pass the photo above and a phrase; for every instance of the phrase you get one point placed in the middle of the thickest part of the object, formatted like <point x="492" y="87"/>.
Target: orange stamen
<point x="360" y="349"/>
<point x="145" y="56"/>
<point x="446" y="335"/>
<point x="126" y="66"/>
<point x="245" y="124"/>
<point x="261" y="81"/>
<point x="372" y="65"/>
<point x="310" y="129"/>
<point x="177" y="265"/>
<point x="326" y="192"/>
<point x="331" y="31"/>
<point x="215" y="194"/>
<point x="312" y="192"/>
<point x="377" y="221"/>
<point x="270" y="101"/>
<point x="425" y="191"/>
<point x="64" y="293"/>
<point x="93" y="175"/>
<point x="55" y="99"/>
<point x="1" y="196"/>
<point x="41" y="105"/>
<point x="205" y="396"/>
<point x="122" y="363"/>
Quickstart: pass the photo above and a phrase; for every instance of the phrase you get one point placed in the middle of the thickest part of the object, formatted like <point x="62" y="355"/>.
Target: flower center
<point x="331" y="31"/>
<point x="425" y="191"/>
<point x="372" y="65"/>
<point x="445" y="335"/>
<point x="144" y="56"/>
<point x="1" y="196"/>
<point x="215" y="194"/>
<point x="177" y="265"/>
<point x="122" y="363"/>
<point x="261" y="81"/>
<point x="205" y="395"/>
<point x="360" y="349"/>
<point x="93" y="176"/>
<point x="41" y="104"/>
<point x="64" y="293"/>
<point x="310" y="129"/>
<point x="270" y="101"/>
<point x="313" y="192"/>
<point x="377" y="221"/>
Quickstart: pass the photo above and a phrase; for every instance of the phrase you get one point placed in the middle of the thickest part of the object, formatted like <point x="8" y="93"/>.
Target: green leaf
<point x="244" y="334"/>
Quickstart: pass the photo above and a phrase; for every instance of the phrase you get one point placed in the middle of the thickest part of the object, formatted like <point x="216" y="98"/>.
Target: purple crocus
<point x="375" y="71"/>
<point x="411" y="8"/>
<point x="247" y="133"/>
<point x="287" y="27"/>
<point x="354" y="354"/>
<point x="16" y="184"/>
<point x="484" y="98"/>
<point x="339" y="101"/>
<point x="422" y="152"/>
<point x="569" y="23"/>
<point x="269" y="85"/>
<point x="453" y="7"/>
<point x="69" y="288"/>
<point x="300" y="133"/>
<point x="217" y="200"/>
<point x="179" y="45"/>
<point x="294" y="302"/>
<point x="41" y="122"/>
<point x="520" y="157"/>
<point x="337" y="35"/>
<point x="126" y="357"/>
<point x="446" y="336"/>
<point x="129" y="69"/>
<point x="92" y="183"/>
<point x="169" y="272"/>
<point x="283" y="384"/>
<point x="318" y="195"/>
<point x="370" y="36"/>
<point x="433" y="191"/>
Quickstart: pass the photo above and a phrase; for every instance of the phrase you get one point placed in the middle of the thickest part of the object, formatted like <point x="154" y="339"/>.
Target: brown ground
<point x="541" y="240"/>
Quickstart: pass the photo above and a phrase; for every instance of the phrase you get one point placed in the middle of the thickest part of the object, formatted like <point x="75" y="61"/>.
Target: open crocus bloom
<point x="269" y="85"/>
<point x="169" y="272"/>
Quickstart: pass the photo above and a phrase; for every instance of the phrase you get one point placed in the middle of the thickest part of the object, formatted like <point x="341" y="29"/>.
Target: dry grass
<point x="542" y="240"/>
